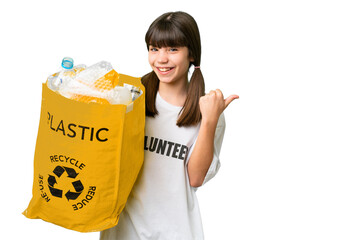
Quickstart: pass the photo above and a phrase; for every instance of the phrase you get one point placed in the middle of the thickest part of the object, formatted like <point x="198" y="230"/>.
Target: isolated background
<point x="290" y="157"/>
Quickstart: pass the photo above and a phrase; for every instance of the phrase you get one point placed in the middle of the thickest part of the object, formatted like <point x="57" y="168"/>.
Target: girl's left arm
<point x="211" y="106"/>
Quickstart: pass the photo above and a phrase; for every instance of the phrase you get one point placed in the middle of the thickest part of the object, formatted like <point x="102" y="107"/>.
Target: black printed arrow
<point x="72" y="195"/>
<point x="58" y="171"/>
<point x="78" y="188"/>
<point x="55" y="192"/>
<point x="51" y="180"/>
<point x="71" y="172"/>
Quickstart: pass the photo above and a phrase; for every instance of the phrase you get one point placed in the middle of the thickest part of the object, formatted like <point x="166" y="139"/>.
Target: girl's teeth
<point x="164" y="69"/>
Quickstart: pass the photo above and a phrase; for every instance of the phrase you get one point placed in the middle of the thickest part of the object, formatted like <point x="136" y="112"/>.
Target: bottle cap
<point x="67" y="63"/>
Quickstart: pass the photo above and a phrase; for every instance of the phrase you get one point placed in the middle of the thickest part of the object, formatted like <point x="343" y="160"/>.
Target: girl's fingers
<point x="212" y="92"/>
<point x="229" y="99"/>
<point x="219" y="93"/>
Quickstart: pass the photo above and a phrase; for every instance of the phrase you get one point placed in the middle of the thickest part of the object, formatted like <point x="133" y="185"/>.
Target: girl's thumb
<point x="229" y="99"/>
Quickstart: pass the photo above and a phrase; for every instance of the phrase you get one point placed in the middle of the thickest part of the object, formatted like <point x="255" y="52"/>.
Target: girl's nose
<point x="162" y="56"/>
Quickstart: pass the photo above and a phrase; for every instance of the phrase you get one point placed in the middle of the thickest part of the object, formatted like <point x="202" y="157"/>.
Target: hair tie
<point x="197" y="67"/>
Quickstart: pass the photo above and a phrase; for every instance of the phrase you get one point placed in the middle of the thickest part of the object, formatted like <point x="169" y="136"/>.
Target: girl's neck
<point x="174" y="94"/>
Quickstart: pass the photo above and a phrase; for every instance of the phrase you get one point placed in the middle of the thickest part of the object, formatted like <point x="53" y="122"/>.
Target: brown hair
<point x="176" y="29"/>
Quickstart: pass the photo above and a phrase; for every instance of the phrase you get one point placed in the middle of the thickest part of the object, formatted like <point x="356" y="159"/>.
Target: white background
<point x="290" y="157"/>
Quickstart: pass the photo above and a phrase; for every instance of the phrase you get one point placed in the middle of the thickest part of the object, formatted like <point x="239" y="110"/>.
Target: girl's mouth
<point x="164" y="70"/>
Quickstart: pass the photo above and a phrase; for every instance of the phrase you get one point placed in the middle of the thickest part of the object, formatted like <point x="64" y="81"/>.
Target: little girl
<point x="183" y="136"/>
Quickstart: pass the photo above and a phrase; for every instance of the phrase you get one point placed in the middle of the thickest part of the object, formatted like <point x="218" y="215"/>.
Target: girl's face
<point x="171" y="64"/>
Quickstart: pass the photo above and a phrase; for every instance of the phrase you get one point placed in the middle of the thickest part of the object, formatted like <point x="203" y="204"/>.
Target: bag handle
<point x="130" y="80"/>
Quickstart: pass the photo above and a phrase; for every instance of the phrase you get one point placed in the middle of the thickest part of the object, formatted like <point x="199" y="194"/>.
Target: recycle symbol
<point x="71" y="173"/>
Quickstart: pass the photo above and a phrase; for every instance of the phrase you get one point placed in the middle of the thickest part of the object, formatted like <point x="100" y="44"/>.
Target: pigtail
<point x="151" y="84"/>
<point x="190" y="113"/>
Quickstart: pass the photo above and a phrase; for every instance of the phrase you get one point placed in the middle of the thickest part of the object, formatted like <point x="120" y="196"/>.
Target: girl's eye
<point x="173" y="49"/>
<point x="153" y="49"/>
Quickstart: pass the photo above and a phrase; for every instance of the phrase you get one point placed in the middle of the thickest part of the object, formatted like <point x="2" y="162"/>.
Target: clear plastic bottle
<point x="120" y="95"/>
<point x="65" y="74"/>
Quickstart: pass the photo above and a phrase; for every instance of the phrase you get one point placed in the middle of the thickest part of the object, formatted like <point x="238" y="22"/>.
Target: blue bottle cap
<point x="67" y="63"/>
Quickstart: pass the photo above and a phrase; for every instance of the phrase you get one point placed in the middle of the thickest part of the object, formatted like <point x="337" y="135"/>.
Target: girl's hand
<point x="213" y="104"/>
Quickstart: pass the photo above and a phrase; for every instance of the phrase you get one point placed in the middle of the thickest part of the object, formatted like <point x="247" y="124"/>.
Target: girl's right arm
<point x="211" y="106"/>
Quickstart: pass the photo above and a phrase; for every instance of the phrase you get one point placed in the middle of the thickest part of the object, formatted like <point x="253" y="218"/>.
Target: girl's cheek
<point x="151" y="57"/>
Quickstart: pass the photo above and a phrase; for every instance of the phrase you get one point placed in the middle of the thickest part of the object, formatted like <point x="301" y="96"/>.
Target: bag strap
<point x="130" y="80"/>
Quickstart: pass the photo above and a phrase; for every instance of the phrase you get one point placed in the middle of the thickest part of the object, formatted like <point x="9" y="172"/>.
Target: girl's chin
<point x="165" y="79"/>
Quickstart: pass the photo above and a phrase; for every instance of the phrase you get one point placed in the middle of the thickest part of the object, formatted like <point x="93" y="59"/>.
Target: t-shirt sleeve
<point x="219" y="136"/>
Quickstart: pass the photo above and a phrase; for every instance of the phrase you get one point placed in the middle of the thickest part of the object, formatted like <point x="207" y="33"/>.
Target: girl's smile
<point x="164" y="71"/>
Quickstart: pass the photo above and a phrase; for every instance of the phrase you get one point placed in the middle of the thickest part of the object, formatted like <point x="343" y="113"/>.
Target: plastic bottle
<point x="135" y="91"/>
<point x="65" y="74"/>
<point x="120" y="95"/>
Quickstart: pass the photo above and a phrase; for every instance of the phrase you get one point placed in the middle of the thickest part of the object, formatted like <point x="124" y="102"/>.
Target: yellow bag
<point x="87" y="159"/>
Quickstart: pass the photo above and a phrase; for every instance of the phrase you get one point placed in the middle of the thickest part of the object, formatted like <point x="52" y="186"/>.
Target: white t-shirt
<point x="162" y="204"/>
